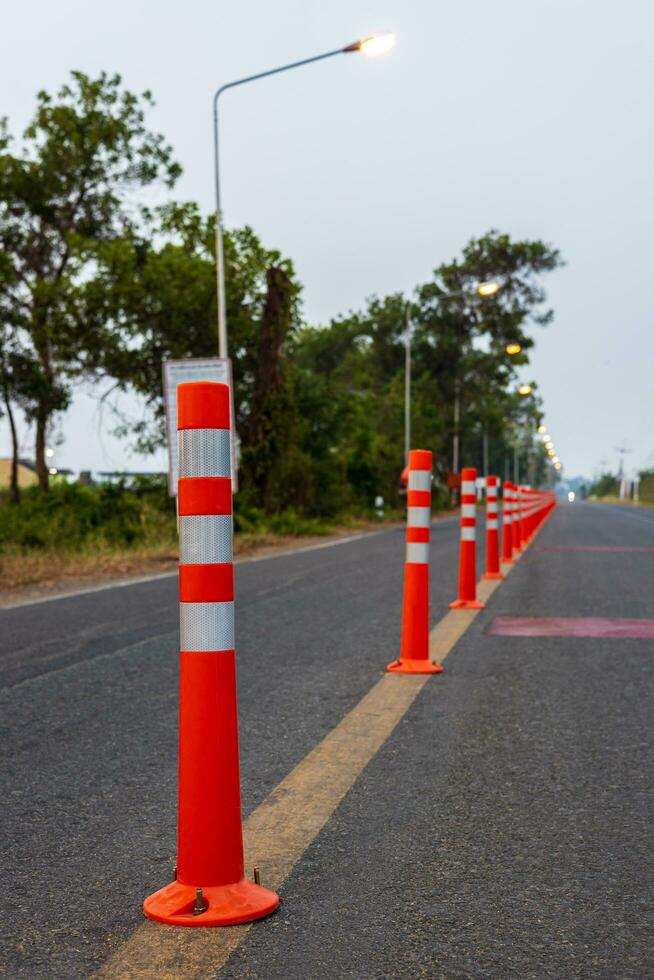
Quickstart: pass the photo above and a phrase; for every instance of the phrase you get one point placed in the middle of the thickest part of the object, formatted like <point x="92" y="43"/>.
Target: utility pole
<point x="457" y="419"/>
<point x="622" y="450"/>
<point x="622" y="485"/>
<point x="407" y="384"/>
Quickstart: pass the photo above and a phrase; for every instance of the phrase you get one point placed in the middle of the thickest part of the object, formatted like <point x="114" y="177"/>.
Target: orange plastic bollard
<point x="492" y="532"/>
<point x="210" y="888"/>
<point x="507" y="520"/>
<point x="467" y="598"/>
<point x="516" y="525"/>
<point x="414" y="652"/>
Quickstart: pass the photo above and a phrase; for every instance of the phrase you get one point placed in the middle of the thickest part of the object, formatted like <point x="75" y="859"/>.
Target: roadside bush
<point x="252" y="520"/>
<point x="70" y="517"/>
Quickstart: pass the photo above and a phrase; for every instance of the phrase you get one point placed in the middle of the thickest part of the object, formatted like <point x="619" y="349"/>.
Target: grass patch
<point x="624" y="503"/>
<point x="75" y="532"/>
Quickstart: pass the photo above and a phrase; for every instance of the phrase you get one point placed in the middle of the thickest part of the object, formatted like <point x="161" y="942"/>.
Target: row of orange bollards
<point x="209" y="886"/>
<point x="524" y="510"/>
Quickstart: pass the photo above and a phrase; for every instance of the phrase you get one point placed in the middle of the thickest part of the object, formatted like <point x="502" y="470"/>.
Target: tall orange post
<point x="467" y="598"/>
<point x="211" y="888"/>
<point x="507" y="521"/>
<point x="492" y="531"/>
<point x="516" y="526"/>
<point x="414" y="652"/>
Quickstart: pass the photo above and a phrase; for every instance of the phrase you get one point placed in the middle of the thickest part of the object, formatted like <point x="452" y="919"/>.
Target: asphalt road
<point x="503" y="831"/>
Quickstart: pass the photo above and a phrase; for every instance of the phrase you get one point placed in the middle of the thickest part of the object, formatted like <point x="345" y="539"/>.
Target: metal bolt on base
<point x="200" y="904"/>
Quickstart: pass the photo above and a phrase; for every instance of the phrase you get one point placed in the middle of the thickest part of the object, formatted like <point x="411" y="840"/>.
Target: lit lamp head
<point x="557" y="466"/>
<point x="550" y="452"/>
<point x="513" y="349"/>
<point x="525" y="390"/>
<point x="542" y="429"/>
<point x="373" y="45"/>
<point x="488" y="289"/>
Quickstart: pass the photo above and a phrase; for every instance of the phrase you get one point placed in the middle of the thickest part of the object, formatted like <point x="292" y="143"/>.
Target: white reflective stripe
<point x="508" y="519"/>
<point x="467" y="533"/>
<point x="206" y="626"/>
<point x="417" y="552"/>
<point x="490" y="512"/>
<point x="491" y="524"/>
<point x="468" y="510"/>
<point x="468" y="486"/>
<point x="205" y="539"/>
<point x="419" y="479"/>
<point x="204" y="452"/>
<point x="418" y="516"/>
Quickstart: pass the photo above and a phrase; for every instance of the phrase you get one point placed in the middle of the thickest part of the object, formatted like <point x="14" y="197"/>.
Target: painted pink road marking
<point x="593" y="547"/>
<point x="638" y="629"/>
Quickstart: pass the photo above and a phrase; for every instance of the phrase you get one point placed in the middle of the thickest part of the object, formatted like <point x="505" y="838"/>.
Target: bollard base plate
<point x="411" y="666"/>
<point x="227" y="905"/>
<point x="493" y="575"/>
<point x="467" y="604"/>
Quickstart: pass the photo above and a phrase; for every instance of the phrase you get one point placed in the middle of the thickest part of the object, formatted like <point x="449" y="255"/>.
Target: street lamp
<point x="482" y="289"/>
<point x="513" y="349"/>
<point x="542" y="429"/>
<point x="525" y="390"/>
<point x="370" y="46"/>
<point x="488" y="288"/>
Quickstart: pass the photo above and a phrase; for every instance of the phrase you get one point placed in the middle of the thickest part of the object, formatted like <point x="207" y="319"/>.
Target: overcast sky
<point x="531" y="118"/>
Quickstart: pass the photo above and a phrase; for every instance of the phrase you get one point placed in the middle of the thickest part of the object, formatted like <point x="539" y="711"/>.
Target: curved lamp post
<point x="370" y="46"/>
<point x="489" y="288"/>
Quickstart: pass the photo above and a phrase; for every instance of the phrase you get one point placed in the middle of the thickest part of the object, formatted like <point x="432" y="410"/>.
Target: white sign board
<point x="179" y="372"/>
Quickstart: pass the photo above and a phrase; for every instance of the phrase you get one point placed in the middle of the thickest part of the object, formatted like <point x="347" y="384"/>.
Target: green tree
<point x="161" y="303"/>
<point x="607" y="485"/>
<point x="68" y="191"/>
<point x="350" y="375"/>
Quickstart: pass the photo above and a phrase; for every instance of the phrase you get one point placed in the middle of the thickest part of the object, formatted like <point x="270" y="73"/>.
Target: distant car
<point x="571" y="496"/>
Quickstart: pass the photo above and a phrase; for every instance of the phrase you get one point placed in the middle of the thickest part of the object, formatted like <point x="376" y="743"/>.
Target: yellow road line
<point x="278" y="832"/>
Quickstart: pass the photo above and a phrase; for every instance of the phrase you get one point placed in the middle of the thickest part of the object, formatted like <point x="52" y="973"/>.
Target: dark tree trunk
<point x="14" y="489"/>
<point x="269" y="436"/>
<point x="42" y="471"/>
<point x="275" y="324"/>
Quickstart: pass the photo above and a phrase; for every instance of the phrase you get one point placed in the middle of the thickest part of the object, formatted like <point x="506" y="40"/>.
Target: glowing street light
<point x="550" y="452"/>
<point x="513" y="349"/>
<point x="557" y="466"/>
<point x="370" y="46"/>
<point x="525" y="390"/>
<point x="542" y="429"/>
<point x="488" y="288"/>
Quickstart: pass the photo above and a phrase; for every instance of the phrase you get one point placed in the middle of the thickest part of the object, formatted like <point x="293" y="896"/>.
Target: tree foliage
<point x="67" y="192"/>
<point x="95" y="285"/>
